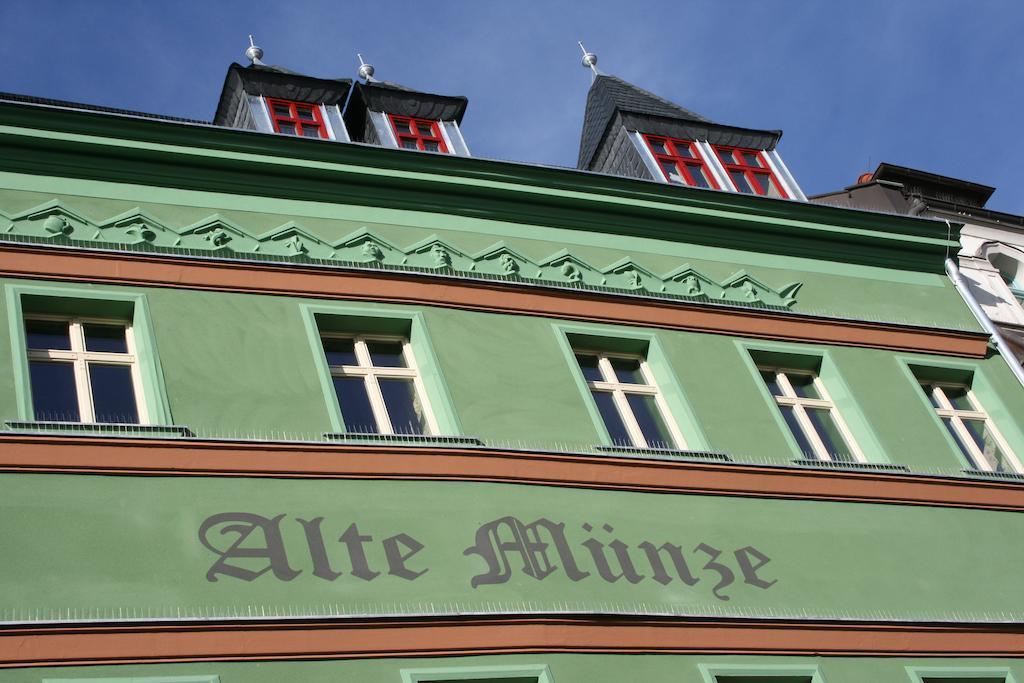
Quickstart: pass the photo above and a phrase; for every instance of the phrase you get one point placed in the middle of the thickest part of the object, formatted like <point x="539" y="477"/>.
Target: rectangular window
<point x="810" y="414"/>
<point x="378" y="386"/>
<point x="749" y="171"/>
<point x="421" y="134"/>
<point x="970" y="427"/>
<point x="680" y="161"/>
<point x="631" y="407"/>
<point x="297" y="118"/>
<point x="83" y="370"/>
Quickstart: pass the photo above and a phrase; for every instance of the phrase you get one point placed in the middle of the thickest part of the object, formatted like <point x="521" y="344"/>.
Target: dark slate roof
<point x="610" y="96"/>
<point x="393" y="98"/>
<point x="933" y="185"/>
<point x="64" y="104"/>
<point x="275" y="81"/>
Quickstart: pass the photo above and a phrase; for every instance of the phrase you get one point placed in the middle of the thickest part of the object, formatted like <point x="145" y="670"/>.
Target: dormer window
<point x="421" y="134"/>
<point x="680" y="161"/>
<point x="297" y="118"/>
<point x="749" y="172"/>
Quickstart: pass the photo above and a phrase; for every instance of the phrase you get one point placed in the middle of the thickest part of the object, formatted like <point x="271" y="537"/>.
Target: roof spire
<point x="589" y="59"/>
<point x="254" y="53"/>
<point x="365" y="70"/>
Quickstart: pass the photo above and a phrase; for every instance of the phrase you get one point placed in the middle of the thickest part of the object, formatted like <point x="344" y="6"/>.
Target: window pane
<point x="113" y="396"/>
<point x="758" y="182"/>
<point x="310" y="131"/>
<point x="431" y="146"/>
<point x="828" y="432"/>
<point x="403" y="126"/>
<point x="282" y="110"/>
<point x="739" y="179"/>
<point x="53" y="391"/>
<point x="769" y="379"/>
<point x="683" y="150"/>
<point x="340" y="351"/>
<point x="627" y="370"/>
<point x="986" y="442"/>
<point x="404" y="407"/>
<point x="652" y="424"/>
<point x="105" y="338"/>
<point x="698" y="176"/>
<point x="958" y="397"/>
<point x="798" y="433"/>
<point x="770" y="188"/>
<point x="286" y="128"/>
<point x="408" y="143"/>
<point x="305" y="113"/>
<point x="671" y="172"/>
<point x="386" y="354"/>
<point x="929" y="391"/>
<point x="959" y="443"/>
<point x="588" y="364"/>
<point x="356" y="412"/>
<point x="750" y="159"/>
<point x="47" y="334"/>
<point x="425" y="129"/>
<point x="803" y="385"/>
<point x="726" y="157"/>
<point x="658" y="146"/>
<point x="612" y="420"/>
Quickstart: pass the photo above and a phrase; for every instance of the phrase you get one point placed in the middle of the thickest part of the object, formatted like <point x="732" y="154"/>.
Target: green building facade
<point x="330" y="409"/>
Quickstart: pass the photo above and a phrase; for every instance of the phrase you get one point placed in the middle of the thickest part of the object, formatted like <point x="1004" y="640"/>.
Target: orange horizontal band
<point x="94" y="455"/>
<point x="499" y="297"/>
<point x="358" y="639"/>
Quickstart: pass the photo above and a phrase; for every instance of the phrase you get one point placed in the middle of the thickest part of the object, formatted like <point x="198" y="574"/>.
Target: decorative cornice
<point x="68" y="645"/>
<point x="305" y="460"/>
<point x="56" y="222"/>
<point x="78" y="144"/>
<point x="493" y="293"/>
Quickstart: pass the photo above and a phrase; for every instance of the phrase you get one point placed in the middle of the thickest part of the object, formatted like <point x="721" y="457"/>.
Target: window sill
<point x="98" y="429"/>
<point x="846" y="465"/>
<point x="982" y="474"/>
<point x="428" y="440"/>
<point x="663" y="453"/>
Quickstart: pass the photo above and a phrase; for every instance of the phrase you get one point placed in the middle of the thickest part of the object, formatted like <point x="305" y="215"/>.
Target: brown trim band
<point x="80" y="645"/>
<point x="296" y="280"/>
<point x="104" y="456"/>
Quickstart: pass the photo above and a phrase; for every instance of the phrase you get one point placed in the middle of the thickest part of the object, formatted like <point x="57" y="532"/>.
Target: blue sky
<point x="933" y="84"/>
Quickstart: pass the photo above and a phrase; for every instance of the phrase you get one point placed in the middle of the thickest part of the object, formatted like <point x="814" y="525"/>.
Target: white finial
<point x="254" y="53"/>
<point x="589" y="59"/>
<point x="365" y="70"/>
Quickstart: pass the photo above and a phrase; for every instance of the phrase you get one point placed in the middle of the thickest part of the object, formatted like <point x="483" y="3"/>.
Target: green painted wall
<point x="562" y="668"/>
<point x="109" y="547"/>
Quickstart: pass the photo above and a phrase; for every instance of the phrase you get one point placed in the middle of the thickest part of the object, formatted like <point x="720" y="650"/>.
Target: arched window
<point x="1012" y="272"/>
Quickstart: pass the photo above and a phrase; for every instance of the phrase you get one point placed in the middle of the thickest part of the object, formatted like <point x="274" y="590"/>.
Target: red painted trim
<point x="459" y="636"/>
<point x="194" y="457"/>
<point x="422" y="132"/>
<point x="755" y="174"/>
<point x="301" y="124"/>
<point x="686" y="164"/>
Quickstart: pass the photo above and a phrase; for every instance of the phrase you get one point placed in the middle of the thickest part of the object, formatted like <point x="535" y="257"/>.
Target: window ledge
<point x="664" y="453"/>
<point x="847" y="465"/>
<point x="1011" y="476"/>
<point x="403" y="439"/>
<point x="98" y="429"/>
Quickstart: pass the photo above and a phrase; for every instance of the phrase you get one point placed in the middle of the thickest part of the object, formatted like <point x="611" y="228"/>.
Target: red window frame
<point x="756" y="177"/>
<point x="299" y="123"/>
<point x="421" y="133"/>
<point x="686" y="157"/>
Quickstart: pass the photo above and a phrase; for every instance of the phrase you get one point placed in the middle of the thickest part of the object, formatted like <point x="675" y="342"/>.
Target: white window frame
<point x="79" y="358"/>
<point x="956" y="417"/>
<point x="618" y="390"/>
<point x="372" y="374"/>
<point x="800" y="404"/>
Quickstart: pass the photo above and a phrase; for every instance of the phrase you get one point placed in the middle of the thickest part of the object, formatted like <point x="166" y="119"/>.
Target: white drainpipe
<point x="1001" y="346"/>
